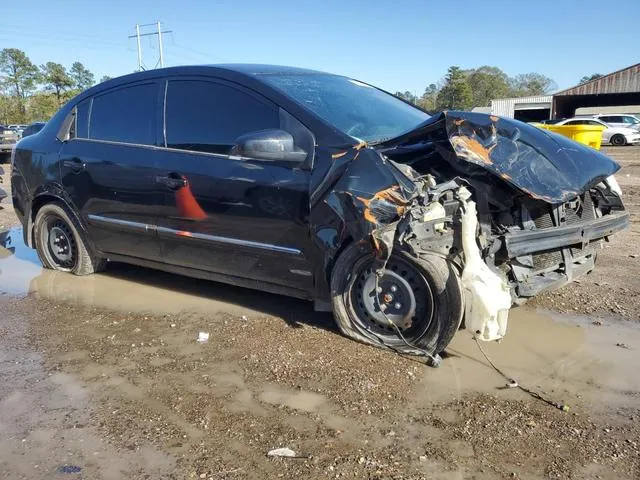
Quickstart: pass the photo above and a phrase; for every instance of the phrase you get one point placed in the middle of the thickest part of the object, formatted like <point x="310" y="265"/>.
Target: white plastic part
<point x="613" y="184"/>
<point x="487" y="296"/>
<point x="435" y="211"/>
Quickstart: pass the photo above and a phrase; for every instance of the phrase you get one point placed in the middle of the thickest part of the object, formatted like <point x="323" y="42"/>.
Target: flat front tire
<point x="59" y="245"/>
<point x="422" y="297"/>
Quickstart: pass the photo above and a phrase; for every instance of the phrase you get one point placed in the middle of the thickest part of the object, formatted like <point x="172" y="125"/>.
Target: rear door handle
<point x="75" y="164"/>
<point x="173" y="181"/>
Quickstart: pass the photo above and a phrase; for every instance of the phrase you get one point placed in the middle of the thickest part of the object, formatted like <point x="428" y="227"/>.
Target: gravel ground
<point x="103" y="376"/>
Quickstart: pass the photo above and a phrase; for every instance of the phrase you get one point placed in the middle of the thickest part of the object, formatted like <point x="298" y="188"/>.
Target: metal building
<point x="615" y="89"/>
<point x="527" y="109"/>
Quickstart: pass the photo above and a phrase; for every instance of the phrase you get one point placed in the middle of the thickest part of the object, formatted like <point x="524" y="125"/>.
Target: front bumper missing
<point x="535" y="241"/>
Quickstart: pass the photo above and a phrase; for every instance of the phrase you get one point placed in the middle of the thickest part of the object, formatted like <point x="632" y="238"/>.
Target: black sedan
<point x="321" y="187"/>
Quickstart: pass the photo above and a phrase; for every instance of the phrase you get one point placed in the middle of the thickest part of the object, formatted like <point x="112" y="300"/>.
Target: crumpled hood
<point x="540" y="163"/>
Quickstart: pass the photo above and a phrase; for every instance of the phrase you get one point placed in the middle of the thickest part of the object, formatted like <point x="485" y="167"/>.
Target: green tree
<point x="42" y="106"/>
<point x="588" y="78"/>
<point x="19" y="76"/>
<point x="105" y="78"/>
<point x="81" y="76"/>
<point x="528" y="84"/>
<point x="455" y="94"/>
<point x="487" y="83"/>
<point x="429" y="97"/>
<point x="407" y="96"/>
<point x="55" y="78"/>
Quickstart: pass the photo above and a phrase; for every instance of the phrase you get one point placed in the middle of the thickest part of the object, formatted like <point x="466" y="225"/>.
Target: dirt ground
<point x="103" y="377"/>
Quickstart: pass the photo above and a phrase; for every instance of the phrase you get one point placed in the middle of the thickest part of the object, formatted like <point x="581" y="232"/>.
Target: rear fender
<point x="49" y="193"/>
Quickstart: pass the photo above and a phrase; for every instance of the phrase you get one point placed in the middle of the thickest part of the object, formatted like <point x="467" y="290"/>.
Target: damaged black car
<point x="407" y="226"/>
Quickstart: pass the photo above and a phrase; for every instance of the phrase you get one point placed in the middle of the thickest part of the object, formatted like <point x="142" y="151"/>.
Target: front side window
<point x="208" y="117"/>
<point x="126" y="115"/>
<point x="355" y="108"/>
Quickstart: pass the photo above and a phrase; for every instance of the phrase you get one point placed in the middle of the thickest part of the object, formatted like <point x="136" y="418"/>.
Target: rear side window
<point x="612" y="119"/>
<point x="208" y="117"/>
<point x="82" y="120"/>
<point x="127" y="115"/>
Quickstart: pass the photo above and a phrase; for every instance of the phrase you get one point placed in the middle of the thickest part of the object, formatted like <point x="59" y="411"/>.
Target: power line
<point x="159" y="33"/>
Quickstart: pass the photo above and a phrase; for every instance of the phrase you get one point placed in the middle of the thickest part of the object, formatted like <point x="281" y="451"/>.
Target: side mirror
<point x="272" y="144"/>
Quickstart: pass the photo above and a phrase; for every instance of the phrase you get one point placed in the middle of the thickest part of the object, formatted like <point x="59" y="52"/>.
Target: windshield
<point x="353" y="107"/>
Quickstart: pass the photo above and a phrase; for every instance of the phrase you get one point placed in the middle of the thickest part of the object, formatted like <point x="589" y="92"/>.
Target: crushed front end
<point x="516" y="209"/>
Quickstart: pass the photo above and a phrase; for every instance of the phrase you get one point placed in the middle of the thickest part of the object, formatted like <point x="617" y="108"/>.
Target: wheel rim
<point x="617" y="140"/>
<point x="59" y="243"/>
<point x="404" y="294"/>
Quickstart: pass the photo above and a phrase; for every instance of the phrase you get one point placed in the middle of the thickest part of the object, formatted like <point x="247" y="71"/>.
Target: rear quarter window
<point x="126" y="115"/>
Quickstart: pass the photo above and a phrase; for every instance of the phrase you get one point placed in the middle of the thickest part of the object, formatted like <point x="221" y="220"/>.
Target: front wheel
<point x="421" y="297"/>
<point x="59" y="245"/>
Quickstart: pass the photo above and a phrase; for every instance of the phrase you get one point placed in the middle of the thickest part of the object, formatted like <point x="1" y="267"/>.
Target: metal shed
<point x="527" y="109"/>
<point x="618" y="88"/>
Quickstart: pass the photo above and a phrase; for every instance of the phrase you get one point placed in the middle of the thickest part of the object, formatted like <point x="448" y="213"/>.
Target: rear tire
<point x="618" y="140"/>
<point x="59" y="245"/>
<point x="428" y="297"/>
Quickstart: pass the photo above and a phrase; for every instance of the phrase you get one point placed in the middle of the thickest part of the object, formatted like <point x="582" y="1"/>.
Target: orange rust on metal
<point x="387" y="194"/>
<point x="338" y="155"/>
<point x="476" y="147"/>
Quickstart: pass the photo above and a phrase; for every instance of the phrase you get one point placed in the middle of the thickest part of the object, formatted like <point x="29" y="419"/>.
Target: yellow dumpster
<point x="590" y="135"/>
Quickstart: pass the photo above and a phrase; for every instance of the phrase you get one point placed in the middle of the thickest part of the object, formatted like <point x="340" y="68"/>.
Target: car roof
<point x="263" y="69"/>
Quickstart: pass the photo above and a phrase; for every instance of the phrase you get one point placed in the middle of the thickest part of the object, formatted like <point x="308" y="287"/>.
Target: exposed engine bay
<point x="517" y="210"/>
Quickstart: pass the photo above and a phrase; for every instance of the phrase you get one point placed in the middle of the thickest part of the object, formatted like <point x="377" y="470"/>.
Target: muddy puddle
<point x="567" y="358"/>
<point x="121" y="287"/>
<point x="88" y="379"/>
<point x="564" y="356"/>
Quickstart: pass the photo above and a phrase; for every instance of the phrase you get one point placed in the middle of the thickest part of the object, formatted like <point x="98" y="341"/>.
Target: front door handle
<point x="173" y="181"/>
<point x="75" y="164"/>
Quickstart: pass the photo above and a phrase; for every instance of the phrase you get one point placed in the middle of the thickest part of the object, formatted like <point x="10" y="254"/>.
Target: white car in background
<point x="613" y="135"/>
<point x="619" y="120"/>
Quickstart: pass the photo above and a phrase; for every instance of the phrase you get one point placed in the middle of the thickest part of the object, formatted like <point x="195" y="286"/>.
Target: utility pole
<point x="159" y="33"/>
<point x="160" y="45"/>
<point x="139" y="47"/>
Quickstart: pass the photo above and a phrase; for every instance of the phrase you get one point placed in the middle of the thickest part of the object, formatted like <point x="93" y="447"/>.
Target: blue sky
<point x="397" y="45"/>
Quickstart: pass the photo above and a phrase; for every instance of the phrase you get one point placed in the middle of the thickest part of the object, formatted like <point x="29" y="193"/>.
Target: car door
<point x="241" y="217"/>
<point x="108" y="168"/>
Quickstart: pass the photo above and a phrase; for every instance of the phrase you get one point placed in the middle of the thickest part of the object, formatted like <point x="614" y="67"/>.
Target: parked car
<point x="320" y="187"/>
<point x="629" y="121"/>
<point x="614" y="135"/>
<point x="35" y="127"/>
<point x="8" y="139"/>
<point x="3" y="193"/>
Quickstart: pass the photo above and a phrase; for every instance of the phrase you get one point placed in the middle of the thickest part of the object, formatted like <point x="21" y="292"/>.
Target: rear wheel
<point x="618" y="140"/>
<point x="59" y="245"/>
<point x="421" y="297"/>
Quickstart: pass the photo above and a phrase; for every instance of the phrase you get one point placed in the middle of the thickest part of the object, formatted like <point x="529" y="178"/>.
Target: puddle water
<point x="121" y="287"/>
<point x="566" y="357"/>
<point x="298" y="400"/>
